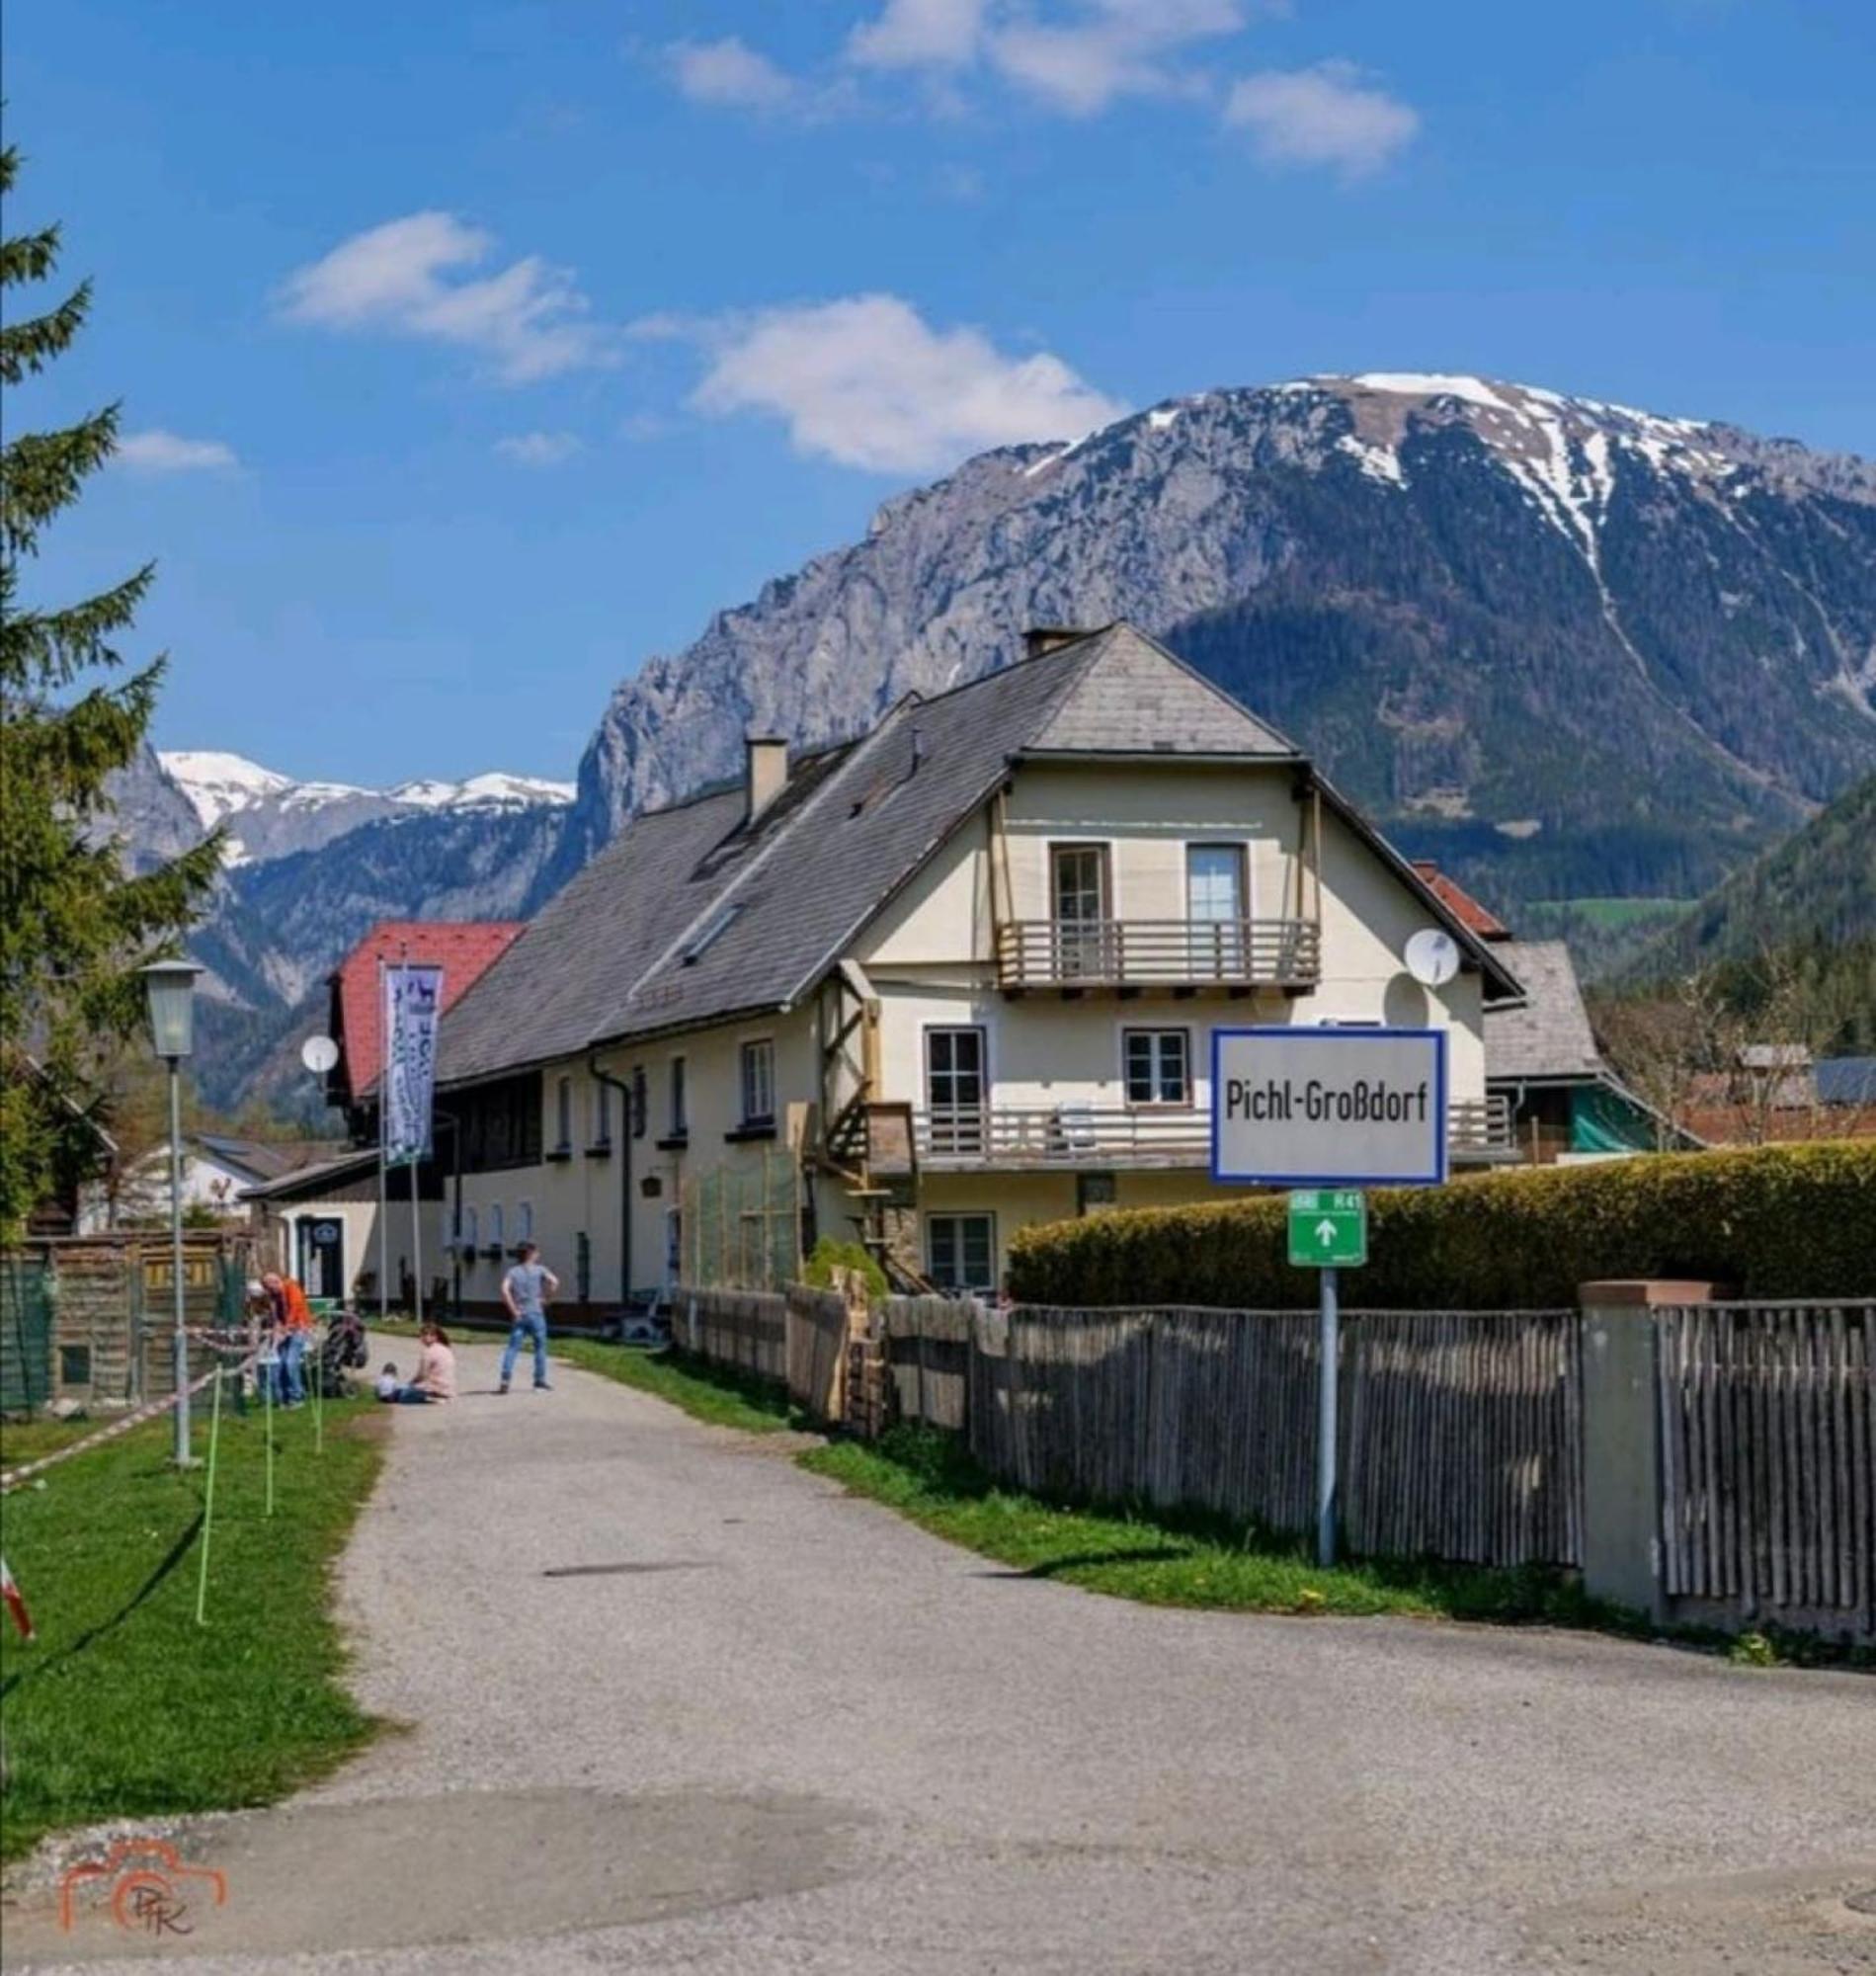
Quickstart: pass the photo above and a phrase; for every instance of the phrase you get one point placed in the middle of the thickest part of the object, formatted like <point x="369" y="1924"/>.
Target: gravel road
<point x="676" y="1705"/>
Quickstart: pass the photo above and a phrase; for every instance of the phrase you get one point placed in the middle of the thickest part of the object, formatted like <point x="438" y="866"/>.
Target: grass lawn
<point x="123" y="1706"/>
<point x="713" y="1393"/>
<point x="1168" y="1559"/>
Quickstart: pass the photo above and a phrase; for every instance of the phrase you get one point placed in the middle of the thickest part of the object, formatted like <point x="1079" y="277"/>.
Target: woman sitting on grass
<point x="435" y="1371"/>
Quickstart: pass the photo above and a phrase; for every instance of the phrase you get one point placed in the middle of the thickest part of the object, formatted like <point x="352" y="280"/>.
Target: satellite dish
<point x="320" y="1054"/>
<point x="1432" y="956"/>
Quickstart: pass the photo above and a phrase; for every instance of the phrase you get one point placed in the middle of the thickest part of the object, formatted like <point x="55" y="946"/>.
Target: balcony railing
<point x="1158" y="954"/>
<point x="1071" y="1134"/>
<point x="1479" y="1129"/>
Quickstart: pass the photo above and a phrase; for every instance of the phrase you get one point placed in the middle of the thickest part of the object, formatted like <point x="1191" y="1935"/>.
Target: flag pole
<point x="384" y="1190"/>
<point x="416" y="1244"/>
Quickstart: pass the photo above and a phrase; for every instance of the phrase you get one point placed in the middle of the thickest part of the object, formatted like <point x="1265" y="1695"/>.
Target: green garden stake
<point x="209" y="1503"/>
<point x="266" y="1399"/>
<point x="319" y="1400"/>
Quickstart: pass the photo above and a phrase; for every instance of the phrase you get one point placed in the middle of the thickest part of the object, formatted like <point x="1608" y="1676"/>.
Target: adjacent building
<point x="953" y="976"/>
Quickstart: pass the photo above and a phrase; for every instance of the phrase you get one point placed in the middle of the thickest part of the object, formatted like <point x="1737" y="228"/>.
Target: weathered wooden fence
<point x="928" y="1348"/>
<point x="818" y="1325"/>
<point x="747" y="1329"/>
<point x="1768" y="1458"/>
<point x="106" y="1335"/>
<point x="795" y="1339"/>
<point x="1461" y="1434"/>
<point x="1458" y="1435"/>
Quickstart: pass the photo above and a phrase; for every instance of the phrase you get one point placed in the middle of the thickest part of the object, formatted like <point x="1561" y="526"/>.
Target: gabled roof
<point x="266" y="1159"/>
<point x="1548" y="1033"/>
<point x="692" y="916"/>
<point x="1132" y="697"/>
<point x="463" y="949"/>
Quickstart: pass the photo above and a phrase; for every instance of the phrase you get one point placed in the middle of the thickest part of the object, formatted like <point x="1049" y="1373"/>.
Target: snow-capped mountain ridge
<point x="273" y="816"/>
<point x="1564" y="642"/>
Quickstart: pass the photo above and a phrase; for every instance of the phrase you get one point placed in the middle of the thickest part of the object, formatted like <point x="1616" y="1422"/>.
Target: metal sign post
<point x="1326" y="1113"/>
<point x="1328" y="1407"/>
<point x="1327" y="1232"/>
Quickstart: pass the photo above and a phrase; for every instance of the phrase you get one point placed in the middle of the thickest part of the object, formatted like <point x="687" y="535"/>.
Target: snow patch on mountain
<point x="217" y="785"/>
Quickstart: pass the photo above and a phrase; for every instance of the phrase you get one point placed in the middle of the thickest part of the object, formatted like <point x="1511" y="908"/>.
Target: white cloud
<point x="866" y="381"/>
<point x="730" y="72"/>
<point x="538" y="449"/>
<point x="1321" y="116"/>
<point x="1107" y="50"/>
<point x="529" y="319"/>
<point x="159" y="452"/>
<point x="919" y="34"/>
<point x="1076" y="58"/>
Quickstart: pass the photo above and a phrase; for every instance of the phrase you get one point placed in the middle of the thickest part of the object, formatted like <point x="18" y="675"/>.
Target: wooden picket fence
<point x="744" y="1329"/>
<point x="796" y="1339"/>
<point x="1458" y="1432"/>
<point x="1768" y="1457"/>
<point x="927" y="1342"/>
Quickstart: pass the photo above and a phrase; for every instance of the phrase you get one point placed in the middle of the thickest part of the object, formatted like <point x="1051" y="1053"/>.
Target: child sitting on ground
<point x="387" y="1383"/>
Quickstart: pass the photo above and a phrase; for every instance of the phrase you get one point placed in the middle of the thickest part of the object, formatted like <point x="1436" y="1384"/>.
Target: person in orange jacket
<point x="292" y="1330"/>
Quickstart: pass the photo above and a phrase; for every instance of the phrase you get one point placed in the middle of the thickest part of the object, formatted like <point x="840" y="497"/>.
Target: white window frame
<point x="524" y="1222"/>
<point x="757" y="1051"/>
<point x="602" y="1114"/>
<point x="496" y="1240"/>
<point x="986" y="1215"/>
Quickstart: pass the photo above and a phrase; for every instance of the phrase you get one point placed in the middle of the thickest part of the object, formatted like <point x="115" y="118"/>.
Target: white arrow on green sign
<point x="1328" y="1228"/>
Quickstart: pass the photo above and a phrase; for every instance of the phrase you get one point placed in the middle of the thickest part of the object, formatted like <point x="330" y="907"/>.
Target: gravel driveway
<point x="676" y="1705"/>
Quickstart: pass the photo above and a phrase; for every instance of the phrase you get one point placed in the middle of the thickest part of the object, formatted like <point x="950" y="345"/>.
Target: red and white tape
<point x="14" y="1604"/>
<point x="11" y="1479"/>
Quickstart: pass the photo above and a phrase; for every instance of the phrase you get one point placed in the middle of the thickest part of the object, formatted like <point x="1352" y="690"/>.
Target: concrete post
<point x="1622" y="1438"/>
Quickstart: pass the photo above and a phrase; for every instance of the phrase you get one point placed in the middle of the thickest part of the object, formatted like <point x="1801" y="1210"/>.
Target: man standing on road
<point x="525" y="1290"/>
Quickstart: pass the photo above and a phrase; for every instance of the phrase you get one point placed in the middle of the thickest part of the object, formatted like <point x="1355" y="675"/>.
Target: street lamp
<point x="169" y="986"/>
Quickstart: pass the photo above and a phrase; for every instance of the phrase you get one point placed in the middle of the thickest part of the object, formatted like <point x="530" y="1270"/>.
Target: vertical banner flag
<point x="412" y="995"/>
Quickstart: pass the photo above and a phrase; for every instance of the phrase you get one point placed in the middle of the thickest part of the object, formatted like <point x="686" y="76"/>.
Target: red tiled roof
<point x="1459" y="902"/>
<point x="464" y="950"/>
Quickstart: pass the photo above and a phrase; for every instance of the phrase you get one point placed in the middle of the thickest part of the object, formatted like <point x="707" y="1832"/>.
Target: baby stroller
<point x="344" y="1347"/>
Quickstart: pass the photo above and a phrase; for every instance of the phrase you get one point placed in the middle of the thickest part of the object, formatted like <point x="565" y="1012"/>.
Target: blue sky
<point x="472" y="354"/>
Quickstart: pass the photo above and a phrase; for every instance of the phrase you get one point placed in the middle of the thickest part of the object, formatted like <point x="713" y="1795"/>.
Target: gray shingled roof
<point x="606" y="960"/>
<point x="1548" y="1034"/>
<point x="1129" y="687"/>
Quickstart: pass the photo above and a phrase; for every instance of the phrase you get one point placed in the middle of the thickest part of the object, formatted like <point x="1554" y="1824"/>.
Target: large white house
<point x="929" y="985"/>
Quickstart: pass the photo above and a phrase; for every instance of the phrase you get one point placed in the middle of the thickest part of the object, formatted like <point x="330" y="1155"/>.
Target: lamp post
<point x="169" y="986"/>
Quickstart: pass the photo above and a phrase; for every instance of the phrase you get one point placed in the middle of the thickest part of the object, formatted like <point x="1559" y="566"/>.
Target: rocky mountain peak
<point x="1460" y="593"/>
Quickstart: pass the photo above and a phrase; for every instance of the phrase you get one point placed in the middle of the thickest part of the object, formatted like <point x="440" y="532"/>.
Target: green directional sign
<point x="1328" y="1228"/>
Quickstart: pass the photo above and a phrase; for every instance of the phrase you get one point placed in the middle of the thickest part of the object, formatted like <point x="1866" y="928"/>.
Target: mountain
<point x="270" y="815"/>
<point x="1817" y="889"/>
<point x="310" y="867"/>
<point x="1566" y="648"/>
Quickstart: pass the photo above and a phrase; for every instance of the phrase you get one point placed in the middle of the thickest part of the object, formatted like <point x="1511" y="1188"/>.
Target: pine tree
<point x="74" y="924"/>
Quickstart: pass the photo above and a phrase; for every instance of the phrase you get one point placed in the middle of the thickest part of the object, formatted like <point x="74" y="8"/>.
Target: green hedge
<point x="1771" y="1221"/>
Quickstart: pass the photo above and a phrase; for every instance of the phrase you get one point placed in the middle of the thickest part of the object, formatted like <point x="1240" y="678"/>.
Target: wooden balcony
<point x="1074" y="955"/>
<point x="1071" y="1135"/>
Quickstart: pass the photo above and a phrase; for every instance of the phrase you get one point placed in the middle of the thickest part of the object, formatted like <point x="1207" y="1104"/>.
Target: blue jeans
<point x="530" y="1324"/>
<point x="410" y="1396"/>
<point x="292" y="1384"/>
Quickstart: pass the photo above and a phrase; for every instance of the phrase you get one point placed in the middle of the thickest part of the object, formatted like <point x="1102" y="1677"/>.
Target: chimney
<point x="765" y="773"/>
<point x="1040" y="639"/>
